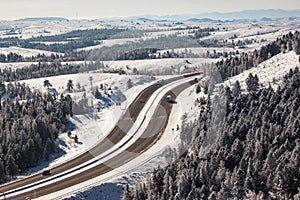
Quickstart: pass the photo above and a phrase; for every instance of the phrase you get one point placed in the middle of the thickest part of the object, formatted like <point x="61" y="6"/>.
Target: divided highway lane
<point x="148" y="138"/>
<point x="117" y="134"/>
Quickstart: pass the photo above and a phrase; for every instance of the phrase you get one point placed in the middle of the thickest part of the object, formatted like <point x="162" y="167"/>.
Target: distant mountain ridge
<point x="43" y="19"/>
<point x="246" y="15"/>
<point x="272" y="14"/>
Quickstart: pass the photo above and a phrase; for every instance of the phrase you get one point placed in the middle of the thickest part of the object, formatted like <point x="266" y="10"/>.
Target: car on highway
<point x="161" y="82"/>
<point x="168" y="98"/>
<point x="46" y="172"/>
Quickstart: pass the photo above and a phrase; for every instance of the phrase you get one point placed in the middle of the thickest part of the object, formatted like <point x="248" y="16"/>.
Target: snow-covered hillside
<point x="272" y="69"/>
<point x="92" y="126"/>
<point x="28" y="29"/>
<point x="269" y="72"/>
<point x="25" y="52"/>
<point x="161" y="66"/>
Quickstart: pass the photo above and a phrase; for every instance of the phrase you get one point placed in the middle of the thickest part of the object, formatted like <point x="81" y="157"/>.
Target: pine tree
<point x="127" y="193"/>
<point x="69" y="85"/>
<point x="47" y="83"/>
<point x="76" y="139"/>
<point x="2" y="172"/>
<point x="129" y="84"/>
<point x="11" y="167"/>
<point x="252" y="82"/>
<point x="96" y="92"/>
<point x="296" y="46"/>
<point x="236" y="89"/>
<point x="198" y="89"/>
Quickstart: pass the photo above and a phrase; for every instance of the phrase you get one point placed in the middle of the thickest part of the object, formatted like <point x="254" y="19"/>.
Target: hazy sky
<point x="13" y="9"/>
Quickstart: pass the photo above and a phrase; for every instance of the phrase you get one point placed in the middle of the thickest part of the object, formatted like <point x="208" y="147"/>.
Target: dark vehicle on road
<point x="168" y="98"/>
<point x="46" y="172"/>
<point x="161" y="82"/>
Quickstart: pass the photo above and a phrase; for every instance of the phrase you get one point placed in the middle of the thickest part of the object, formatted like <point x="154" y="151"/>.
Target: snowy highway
<point x="38" y="185"/>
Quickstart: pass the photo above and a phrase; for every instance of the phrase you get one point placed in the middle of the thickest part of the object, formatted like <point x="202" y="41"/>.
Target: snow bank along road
<point x="117" y="133"/>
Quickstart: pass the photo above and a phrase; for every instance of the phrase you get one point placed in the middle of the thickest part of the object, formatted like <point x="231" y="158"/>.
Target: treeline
<point x="255" y="157"/>
<point x="30" y="123"/>
<point x="48" y="69"/>
<point x="238" y="64"/>
<point x="203" y="32"/>
<point x="138" y="54"/>
<point x="11" y="57"/>
<point x="63" y="42"/>
<point x="162" y="42"/>
<point x="55" y="46"/>
<point x="41" y="57"/>
<point x="153" y="53"/>
<point x="95" y="34"/>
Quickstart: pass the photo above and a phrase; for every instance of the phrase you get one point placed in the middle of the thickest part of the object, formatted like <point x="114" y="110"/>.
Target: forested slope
<point x="238" y="64"/>
<point x="30" y="123"/>
<point x="257" y="153"/>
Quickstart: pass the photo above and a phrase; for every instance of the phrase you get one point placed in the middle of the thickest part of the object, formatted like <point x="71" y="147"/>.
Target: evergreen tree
<point x="70" y="85"/>
<point x="252" y="82"/>
<point x="11" y="167"/>
<point x="236" y="89"/>
<point x="198" y="89"/>
<point x="47" y="83"/>
<point x="129" y="84"/>
<point x="127" y="193"/>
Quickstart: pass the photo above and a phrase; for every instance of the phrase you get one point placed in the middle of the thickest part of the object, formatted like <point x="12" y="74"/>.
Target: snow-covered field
<point x="109" y="43"/>
<point x="28" y="29"/>
<point x="261" y="32"/>
<point x="15" y="65"/>
<point x="34" y="28"/>
<point x="25" y="52"/>
<point x="157" y="66"/>
<point x="160" y="65"/>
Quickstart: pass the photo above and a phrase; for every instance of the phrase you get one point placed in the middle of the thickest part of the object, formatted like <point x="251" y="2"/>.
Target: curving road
<point x="149" y="137"/>
<point x="117" y="133"/>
